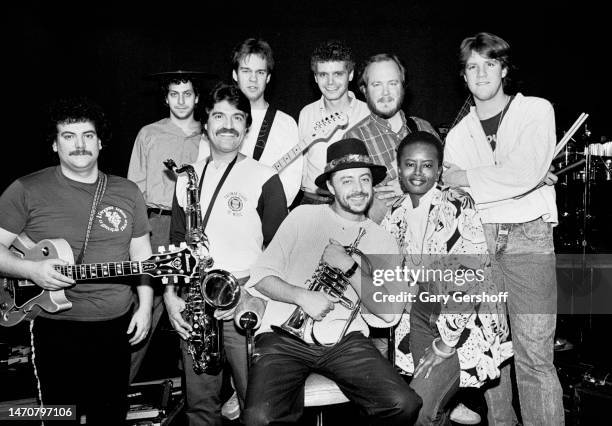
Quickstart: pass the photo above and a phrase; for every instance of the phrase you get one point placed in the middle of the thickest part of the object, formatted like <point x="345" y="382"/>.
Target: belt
<point x="158" y="212"/>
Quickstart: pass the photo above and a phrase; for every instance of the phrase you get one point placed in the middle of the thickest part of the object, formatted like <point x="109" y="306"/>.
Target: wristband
<point x="351" y="271"/>
<point x="438" y="352"/>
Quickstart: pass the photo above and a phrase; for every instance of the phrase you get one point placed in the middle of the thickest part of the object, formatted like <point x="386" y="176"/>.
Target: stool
<point x="319" y="391"/>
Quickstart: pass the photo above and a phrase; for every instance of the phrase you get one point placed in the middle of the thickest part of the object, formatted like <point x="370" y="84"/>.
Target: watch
<point x="352" y="269"/>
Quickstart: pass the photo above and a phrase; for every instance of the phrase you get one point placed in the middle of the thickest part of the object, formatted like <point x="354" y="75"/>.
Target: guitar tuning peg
<point x="171" y="247"/>
<point x="183" y="244"/>
<point x="161" y="249"/>
<point x="164" y="280"/>
<point x="175" y="279"/>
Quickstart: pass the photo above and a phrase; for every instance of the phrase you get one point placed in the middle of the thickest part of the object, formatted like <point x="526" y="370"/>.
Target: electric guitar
<point x="323" y="130"/>
<point x="22" y="299"/>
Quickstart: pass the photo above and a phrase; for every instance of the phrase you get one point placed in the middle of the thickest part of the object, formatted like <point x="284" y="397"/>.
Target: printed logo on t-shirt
<point x="112" y="219"/>
<point x="235" y="203"/>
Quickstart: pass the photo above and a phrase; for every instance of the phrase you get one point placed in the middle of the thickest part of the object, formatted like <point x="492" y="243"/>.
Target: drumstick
<point x="559" y="173"/>
<point x="565" y="139"/>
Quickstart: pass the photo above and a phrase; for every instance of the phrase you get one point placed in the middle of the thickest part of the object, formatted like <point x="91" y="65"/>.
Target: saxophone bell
<point x="220" y="289"/>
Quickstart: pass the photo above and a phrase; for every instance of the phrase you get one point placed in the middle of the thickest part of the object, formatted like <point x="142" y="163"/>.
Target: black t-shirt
<point x="491" y="125"/>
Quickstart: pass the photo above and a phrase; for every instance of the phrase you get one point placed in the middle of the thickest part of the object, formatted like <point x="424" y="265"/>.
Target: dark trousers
<point x="84" y="363"/>
<point x="275" y="394"/>
<point x="440" y="387"/>
<point x="160" y="236"/>
<point x="203" y="391"/>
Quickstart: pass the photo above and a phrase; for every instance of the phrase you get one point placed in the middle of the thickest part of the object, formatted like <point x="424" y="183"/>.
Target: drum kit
<point x="583" y="190"/>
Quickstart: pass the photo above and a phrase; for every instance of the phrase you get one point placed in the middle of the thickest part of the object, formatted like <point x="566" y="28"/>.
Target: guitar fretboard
<point x="323" y="129"/>
<point x="100" y="270"/>
<point x="286" y="159"/>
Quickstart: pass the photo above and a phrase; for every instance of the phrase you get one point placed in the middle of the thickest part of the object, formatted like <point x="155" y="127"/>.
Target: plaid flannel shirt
<point x="382" y="142"/>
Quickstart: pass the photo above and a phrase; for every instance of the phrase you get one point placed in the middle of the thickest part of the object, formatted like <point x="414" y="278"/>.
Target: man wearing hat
<point x="310" y="234"/>
<point x="178" y="137"/>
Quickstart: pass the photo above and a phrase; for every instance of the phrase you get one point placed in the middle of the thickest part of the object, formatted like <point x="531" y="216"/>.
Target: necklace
<point x="501" y="117"/>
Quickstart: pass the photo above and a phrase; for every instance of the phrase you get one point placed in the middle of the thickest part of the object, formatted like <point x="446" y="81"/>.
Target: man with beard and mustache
<point x="81" y="355"/>
<point x="312" y="233"/>
<point x="245" y="203"/>
<point x="382" y="82"/>
<point x="176" y="136"/>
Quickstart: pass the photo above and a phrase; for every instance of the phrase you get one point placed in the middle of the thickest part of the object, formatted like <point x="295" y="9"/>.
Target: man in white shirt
<point x="312" y="234"/>
<point x="241" y="204"/>
<point x="333" y="66"/>
<point x="272" y="133"/>
<point x="499" y="152"/>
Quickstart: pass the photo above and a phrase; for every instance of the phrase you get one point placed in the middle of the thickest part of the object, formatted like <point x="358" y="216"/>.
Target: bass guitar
<point x="22" y="299"/>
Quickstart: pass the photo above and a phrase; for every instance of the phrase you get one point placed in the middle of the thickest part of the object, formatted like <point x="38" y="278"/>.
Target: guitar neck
<point x="100" y="270"/>
<point x="291" y="155"/>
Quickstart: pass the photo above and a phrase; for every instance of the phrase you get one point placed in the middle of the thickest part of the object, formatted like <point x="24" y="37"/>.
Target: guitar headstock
<point x="325" y="128"/>
<point x="181" y="262"/>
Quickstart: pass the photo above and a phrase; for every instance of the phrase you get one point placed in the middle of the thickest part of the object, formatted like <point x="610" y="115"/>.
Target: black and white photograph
<point x="308" y="213"/>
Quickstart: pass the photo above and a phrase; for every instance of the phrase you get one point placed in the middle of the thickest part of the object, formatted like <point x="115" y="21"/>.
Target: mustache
<point x="81" y="152"/>
<point x="386" y="99"/>
<point x="224" y="130"/>
<point x="358" y="194"/>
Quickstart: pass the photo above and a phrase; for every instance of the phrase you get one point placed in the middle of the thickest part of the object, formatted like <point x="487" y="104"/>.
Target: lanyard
<point x="217" y="189"/>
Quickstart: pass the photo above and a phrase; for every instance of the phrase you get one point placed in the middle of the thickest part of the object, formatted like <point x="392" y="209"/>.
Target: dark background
<point x="106" y="50"/>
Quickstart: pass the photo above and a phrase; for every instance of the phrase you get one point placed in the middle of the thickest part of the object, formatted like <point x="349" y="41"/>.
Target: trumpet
<point x="332" y="281"/>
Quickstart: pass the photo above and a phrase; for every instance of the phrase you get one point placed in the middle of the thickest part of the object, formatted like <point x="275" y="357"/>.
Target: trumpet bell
<point x="220" y="289"/>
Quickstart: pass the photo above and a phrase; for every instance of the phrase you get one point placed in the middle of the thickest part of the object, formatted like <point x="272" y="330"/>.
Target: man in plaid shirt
<point x="382" y="82"/>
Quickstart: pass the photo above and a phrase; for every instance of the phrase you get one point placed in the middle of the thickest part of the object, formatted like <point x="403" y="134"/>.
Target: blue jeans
<point x="523" y="263"/>
<point x="437" y="391"/>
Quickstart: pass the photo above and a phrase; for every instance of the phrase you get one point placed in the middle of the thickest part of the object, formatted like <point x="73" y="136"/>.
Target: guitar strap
<point x="411" y="125"/>
<point x="217" y="189"/>
<point x="94" y="205"/>
<point x="264" y="132"/>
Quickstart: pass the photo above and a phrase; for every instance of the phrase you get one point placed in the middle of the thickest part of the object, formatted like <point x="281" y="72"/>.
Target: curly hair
<point x="421" y="137"/>
<point x="77" y="110"/>
<point x="164" y="84"/>
<point x="253" y="46"/>
<point x="332" y="51"/>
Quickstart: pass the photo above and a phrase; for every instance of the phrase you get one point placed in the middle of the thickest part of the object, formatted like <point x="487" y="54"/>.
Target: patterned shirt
<point x="453" y="239"/>
<point x="382" y="141"/>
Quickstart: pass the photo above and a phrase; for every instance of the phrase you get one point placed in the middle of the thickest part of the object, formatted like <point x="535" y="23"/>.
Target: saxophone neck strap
<point x="217" y="189"/>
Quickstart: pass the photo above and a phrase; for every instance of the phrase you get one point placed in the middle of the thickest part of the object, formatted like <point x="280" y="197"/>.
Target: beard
<point x="344" y="203"/>
<point x="373" y="106"/>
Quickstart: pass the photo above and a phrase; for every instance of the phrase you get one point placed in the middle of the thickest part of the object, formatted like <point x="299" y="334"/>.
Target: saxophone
<point x="331" y="280"/>
<point x="209" y="289"/>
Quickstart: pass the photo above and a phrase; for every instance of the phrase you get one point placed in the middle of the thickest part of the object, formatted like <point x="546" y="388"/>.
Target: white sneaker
<point x="231" y="408"/>
<point x="464" y="416"/>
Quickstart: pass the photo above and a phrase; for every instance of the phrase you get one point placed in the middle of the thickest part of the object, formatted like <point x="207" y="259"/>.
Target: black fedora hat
<point x="349" y="153"/>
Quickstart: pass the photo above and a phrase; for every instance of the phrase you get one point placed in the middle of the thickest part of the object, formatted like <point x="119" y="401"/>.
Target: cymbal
<point x="184" y="73"/>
